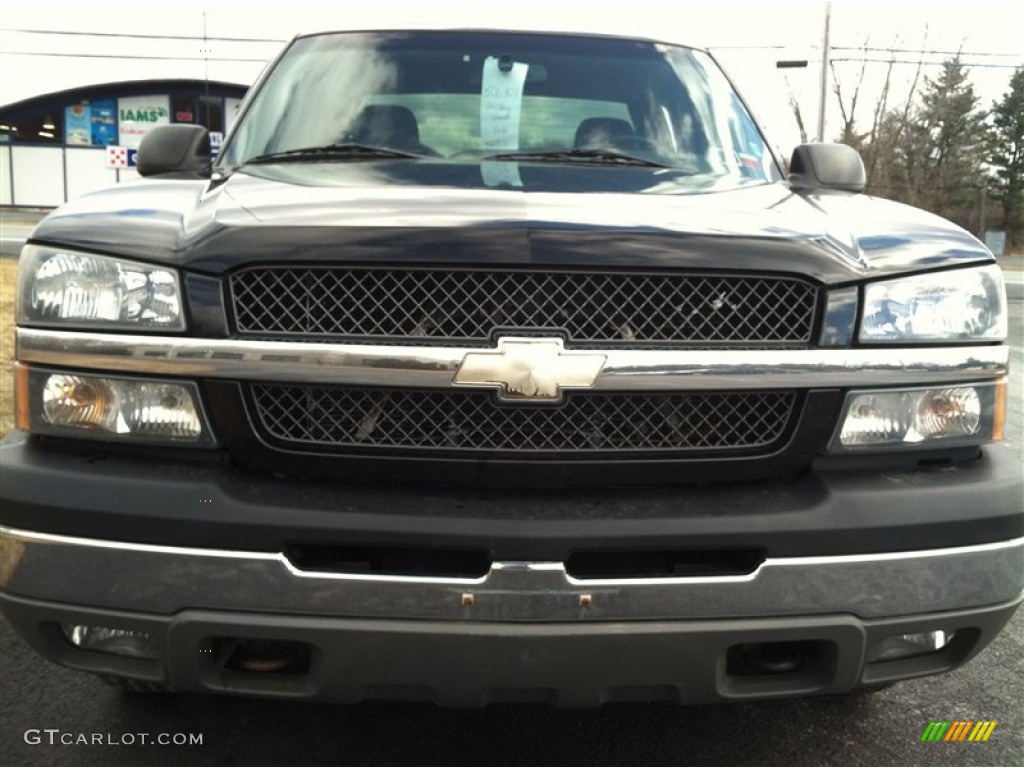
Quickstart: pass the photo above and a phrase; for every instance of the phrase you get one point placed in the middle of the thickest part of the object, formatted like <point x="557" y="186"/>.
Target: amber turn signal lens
<point x="22" y="417"/>
<point x="77" y="401"/>
<point x="999" y="412"/>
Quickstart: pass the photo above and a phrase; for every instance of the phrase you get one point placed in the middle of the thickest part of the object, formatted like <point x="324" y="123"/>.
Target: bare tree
<point x="907" y="153"/>
<point x="882" y="143"/>
<point x="849" y="115"/>
<point x="893" y="166"/>
<point x="881" y="109"/>
<point x="795" y="106"/>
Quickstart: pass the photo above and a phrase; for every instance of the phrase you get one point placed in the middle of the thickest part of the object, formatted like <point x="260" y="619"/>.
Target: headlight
<point x="963" y="414"/>
<point x="61" y="287"/>
<point x="110" y="408"/>
<point x="959" y="305"/>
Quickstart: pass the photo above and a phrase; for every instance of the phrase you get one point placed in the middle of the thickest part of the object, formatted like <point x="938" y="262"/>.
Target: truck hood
<point x="506" y="213"/>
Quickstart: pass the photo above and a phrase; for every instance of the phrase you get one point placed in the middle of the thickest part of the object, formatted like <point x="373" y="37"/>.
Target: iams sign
<point x="144" y="115"/>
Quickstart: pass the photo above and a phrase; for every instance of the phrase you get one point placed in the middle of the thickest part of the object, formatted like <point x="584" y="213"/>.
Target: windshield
<point x="479" y="95"/>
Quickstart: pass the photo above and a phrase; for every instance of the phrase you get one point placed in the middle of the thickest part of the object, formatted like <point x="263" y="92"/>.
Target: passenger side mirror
<point x="182" y="150"/>
<point x="827" y="166"/>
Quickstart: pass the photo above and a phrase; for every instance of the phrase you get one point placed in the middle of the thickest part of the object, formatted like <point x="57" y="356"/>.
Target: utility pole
<point x="826" y="54"/>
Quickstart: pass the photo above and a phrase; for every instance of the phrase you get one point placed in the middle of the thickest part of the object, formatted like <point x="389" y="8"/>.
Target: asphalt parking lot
<point x="41" y="703"/>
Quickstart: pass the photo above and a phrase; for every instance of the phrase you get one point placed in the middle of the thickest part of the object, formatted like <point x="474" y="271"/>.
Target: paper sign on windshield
<point x="501" y="98"/>
<point x="498" y="173"/>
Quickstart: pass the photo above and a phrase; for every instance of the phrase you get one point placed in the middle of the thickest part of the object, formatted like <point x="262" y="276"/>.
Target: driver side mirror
<point x="827" y="166"/>
<point x="181" y="150"/>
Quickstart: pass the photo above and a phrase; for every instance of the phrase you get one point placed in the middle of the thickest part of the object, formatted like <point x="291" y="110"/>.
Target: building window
<point x="211" y="112"/>
<point x="183" y="109"/>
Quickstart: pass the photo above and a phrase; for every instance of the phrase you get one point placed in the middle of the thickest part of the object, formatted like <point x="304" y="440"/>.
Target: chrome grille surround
<point x="464" y="305"/>
<point x="367" y="419"/>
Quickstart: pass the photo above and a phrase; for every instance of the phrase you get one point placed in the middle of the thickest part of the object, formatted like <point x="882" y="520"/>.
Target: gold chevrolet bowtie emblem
<point x="530" y="369"/>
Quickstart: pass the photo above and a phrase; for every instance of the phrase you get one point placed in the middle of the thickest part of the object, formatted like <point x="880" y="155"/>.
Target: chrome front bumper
<point x="165" y="580"/>
<point x="437" y="367"/>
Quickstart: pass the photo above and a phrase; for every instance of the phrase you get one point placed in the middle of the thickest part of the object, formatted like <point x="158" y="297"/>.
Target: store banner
<point x="138" y="115"/>
<point x="78" y="124"/>
<point x="104" y="122"/>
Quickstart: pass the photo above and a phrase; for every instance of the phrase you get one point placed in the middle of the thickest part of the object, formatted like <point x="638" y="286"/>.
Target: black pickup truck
<point x="487" y="366"/>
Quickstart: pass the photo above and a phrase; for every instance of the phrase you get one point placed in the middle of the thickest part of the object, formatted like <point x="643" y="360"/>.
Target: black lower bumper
<point x="91" y="493"/>
<point x="205" y="559"/>
<point x="475" y="663"/>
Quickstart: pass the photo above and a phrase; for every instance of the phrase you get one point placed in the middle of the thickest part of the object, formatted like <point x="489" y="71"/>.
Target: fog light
<point x="101" y="406"/>
<point x="906" y="646"/>
<point x="967" y="414"/>
<point x="121" y="642"/>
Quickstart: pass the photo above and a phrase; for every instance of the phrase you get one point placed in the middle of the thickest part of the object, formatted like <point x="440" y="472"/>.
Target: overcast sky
<point x="747" y="37"/>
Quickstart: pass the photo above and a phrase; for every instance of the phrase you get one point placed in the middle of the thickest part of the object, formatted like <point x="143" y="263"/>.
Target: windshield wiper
<point x="332" y="152"/>
<point x="609" y="156"/>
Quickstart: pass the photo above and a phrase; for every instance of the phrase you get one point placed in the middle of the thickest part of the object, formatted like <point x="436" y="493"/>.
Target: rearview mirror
<point x="827" y="166"/>
<point x="181" y="150"/>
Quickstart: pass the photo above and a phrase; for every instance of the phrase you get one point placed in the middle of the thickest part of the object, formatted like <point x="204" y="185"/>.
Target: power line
<point x="924" y="50"/>
<point x="126" y="56"/>
<point x="265" y="59"/>
<point x="972" y="65"/>
<point x="146" y="37"/>
<point x="873" y="49"/>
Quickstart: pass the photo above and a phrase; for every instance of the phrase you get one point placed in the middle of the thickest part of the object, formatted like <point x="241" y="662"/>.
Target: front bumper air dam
<point x="472" y="663"/>
<point x="525" y="631"/>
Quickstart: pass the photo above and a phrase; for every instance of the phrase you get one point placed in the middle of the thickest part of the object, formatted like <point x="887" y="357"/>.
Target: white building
<point x="54" y="147"/>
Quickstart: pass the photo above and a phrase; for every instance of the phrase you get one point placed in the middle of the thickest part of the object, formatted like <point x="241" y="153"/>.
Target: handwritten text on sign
<point x="501" y="98"/>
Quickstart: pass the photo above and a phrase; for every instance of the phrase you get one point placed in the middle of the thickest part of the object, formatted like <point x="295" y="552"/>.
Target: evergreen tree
<point x="945" y="145"/>
<point x="1006" y="157"/>
<point x="929" y="151"/>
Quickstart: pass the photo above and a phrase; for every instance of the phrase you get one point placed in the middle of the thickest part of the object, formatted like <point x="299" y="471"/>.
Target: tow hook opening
<point x="792" y="664"/>
<point x="251" y="656"/>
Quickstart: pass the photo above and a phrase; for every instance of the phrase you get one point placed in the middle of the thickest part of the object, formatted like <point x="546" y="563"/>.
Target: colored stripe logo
<point x="959" y="730"/>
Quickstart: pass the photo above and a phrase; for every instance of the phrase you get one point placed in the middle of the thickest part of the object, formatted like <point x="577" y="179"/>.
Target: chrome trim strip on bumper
<point x="423" y="366"/>
<point x="164" y="579"/>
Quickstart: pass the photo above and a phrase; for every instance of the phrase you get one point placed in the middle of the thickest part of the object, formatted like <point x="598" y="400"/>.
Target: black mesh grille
<point x="469" y="305"/>
<point x="348" y="417"/>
